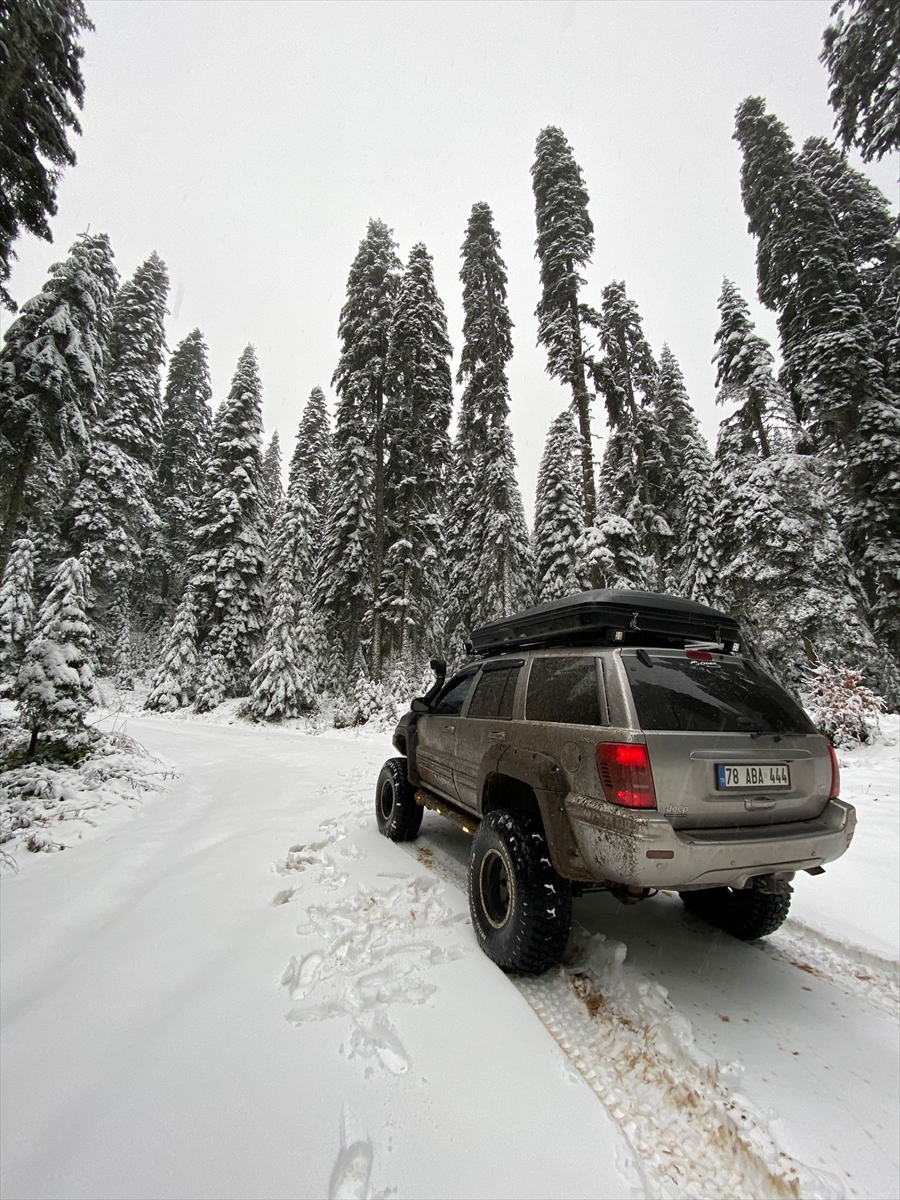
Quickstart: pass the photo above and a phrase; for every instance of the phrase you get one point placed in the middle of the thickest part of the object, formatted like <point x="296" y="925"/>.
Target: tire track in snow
<point x="691" y="1131"/>
<point x="855" y="971"/>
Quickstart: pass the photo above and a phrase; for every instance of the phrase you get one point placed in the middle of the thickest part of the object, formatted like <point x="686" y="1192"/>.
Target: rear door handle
<point x="497" y="736"/>
<point x="449" y="729"/>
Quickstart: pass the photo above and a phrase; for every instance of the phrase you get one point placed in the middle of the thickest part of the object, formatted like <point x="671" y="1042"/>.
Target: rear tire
<point x="521" y="909"/>
<point x="396" y="811"/>
<point x="745" y="913"/>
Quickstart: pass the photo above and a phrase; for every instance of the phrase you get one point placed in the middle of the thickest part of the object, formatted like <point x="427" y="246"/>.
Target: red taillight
<point x="835" y="776"/>
<point x="624" y="770"/>
<point x="700" y="655"/>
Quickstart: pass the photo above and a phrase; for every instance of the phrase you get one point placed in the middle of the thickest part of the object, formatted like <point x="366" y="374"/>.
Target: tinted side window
<point x="563" y="690"/>
<point x="451" y="702"/>
<point x="713" y="696"/>
<point x="494" y="695"/>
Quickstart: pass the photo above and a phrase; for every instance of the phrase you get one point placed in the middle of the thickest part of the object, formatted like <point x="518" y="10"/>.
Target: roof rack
<point x="609" y="617"/>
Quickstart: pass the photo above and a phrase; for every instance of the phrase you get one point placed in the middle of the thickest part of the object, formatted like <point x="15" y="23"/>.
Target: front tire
<point x="745" y="913"/>
<point x="521" y="909"/>
<point x="396" y="811"/>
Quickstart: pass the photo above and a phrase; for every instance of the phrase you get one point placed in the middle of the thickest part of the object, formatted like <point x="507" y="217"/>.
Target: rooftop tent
<point x="609" y="617"/>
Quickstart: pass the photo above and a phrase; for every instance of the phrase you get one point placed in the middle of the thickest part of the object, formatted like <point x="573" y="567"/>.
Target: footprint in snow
<point x="353" y="1165"/>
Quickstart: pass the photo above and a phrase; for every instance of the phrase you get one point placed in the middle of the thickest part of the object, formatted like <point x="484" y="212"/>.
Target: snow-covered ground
<point x="239" y="989"/>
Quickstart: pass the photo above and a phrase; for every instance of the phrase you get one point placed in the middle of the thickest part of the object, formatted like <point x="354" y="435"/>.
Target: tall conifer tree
<point x="558" y="513"/>
<point x="783" y="567"/>
<point x="417" y="416"/>
<point x="51" y="369"/>
<point x="312" y="458"/>
<point x="111" y="515"/>
<point x="40" y="66"/>
<point x="489" y="545"/>
<point x="635" y="477"/>
<point x="186" y="426"/>
<point x="355" y="540"/>
<point x="688" y="505"/>
<point x="861" y="51"/>
<point x="565" y="243"/>
<point x="16" y="611"/>
<point x="831" y="368"/>
<point x="273" y="488"/>
<point x="872" y="242"/>
<point x="228" y="565"/>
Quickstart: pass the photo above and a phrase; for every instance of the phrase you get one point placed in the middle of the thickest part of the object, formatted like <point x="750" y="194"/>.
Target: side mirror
<point x="419" y="705"/>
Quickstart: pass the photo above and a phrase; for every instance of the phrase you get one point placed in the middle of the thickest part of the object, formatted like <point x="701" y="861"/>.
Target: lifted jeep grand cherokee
<point x="616" y="740"/>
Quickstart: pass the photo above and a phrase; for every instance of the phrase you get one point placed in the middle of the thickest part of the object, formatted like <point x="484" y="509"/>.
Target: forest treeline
<point x="144" y="535"/>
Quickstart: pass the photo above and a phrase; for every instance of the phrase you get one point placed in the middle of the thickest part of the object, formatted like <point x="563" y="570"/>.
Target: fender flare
<point x="547" y="781"/>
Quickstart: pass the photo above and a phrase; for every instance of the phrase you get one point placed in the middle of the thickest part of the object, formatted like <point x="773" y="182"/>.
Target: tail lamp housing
<point x="625" y="775"/>
<point x="835" y="789"/>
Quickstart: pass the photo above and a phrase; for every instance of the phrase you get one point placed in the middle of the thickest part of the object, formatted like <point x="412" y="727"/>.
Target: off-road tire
<point x="396" y="811"/>
<point x="522" y="926"/>
<point x="745" y="913"/>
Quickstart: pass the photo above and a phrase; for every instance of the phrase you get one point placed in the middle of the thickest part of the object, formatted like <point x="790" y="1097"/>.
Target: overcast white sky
<point x="249" y="143"/>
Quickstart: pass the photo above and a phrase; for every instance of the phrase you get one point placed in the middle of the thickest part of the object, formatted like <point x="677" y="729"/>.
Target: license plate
<point x="749" y="775"/>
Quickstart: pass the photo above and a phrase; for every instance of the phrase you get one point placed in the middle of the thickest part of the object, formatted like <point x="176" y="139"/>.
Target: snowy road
<point x="241" y="990"/>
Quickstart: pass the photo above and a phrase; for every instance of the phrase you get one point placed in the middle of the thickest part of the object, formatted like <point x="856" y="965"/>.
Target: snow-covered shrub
<point x="66" y="781"/>
<point x="843" y="708"/>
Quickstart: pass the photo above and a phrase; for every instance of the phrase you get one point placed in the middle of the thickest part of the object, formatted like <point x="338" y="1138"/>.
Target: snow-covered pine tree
<point x="285" y="677"/>
<point x="416" y="419"/>
<point x="355" y="537"/>
<point x="610" y="550"/>
<point x="312" y="458"/>
<point x="636" y="480"/>
<point x="55" y="686"/>
<point x="565" y="243"/>
<point x="489" y="549"/>
<point x="746" y="376"/>
<point x="831" y="368"/>
<point x="110" y="515"/>
<point x="688" y="507"/>
<point x="186" y="428"/>
<point x="51" y="369"/>
<point x="40" y="60"/>
<point x="860" y="53"/>
<point x="272" y="486"/>
<point x="16" y="611"/>
<point x="783" y="568"/>
<point x="173" y="680"/>
<point x="229" y="564"/>
<point x="558" y="513"/>
<point x="871" y="238"/>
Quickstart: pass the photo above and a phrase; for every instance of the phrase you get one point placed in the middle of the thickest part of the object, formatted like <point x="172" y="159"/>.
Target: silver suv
<point x="600" y="764"/>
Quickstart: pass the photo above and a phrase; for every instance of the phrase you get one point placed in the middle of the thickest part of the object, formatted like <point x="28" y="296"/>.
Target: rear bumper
<point x="623" y="845"/>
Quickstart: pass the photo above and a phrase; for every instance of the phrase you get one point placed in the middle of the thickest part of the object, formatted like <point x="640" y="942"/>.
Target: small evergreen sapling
<point x="55" y="686"/>
<point x="173" y="681"/>
<point x="843" y="707"/>
<point x="16" y="611"/>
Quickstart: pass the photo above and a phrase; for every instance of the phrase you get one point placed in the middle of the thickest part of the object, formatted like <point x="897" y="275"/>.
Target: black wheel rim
<point x="386" y="800"/>
<point x="494" y="889"/>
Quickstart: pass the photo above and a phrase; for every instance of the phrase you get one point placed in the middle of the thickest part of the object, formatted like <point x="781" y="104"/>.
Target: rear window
<point x="711" y="696"/>
<point x="564" y="691"/>
<point x="494" y="694"/>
